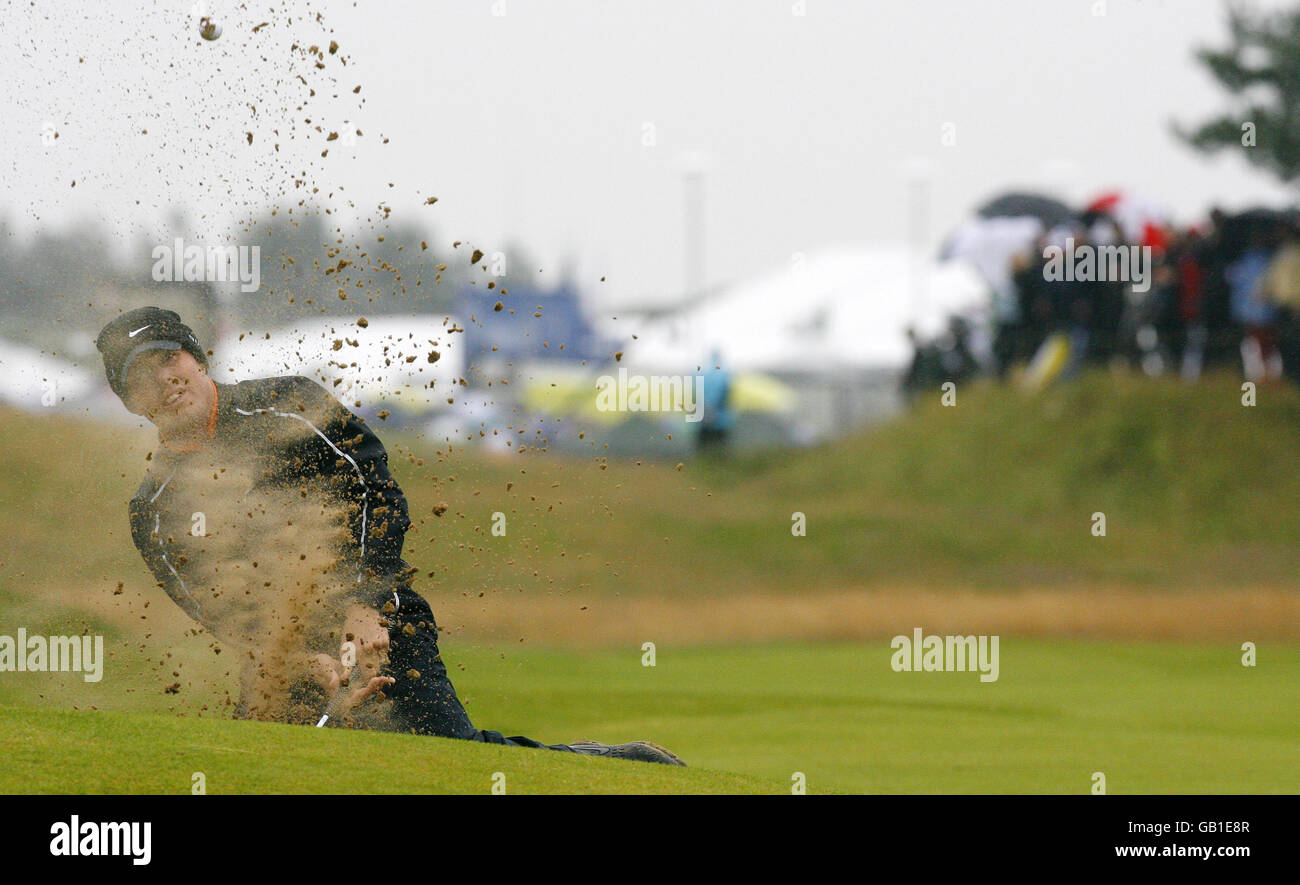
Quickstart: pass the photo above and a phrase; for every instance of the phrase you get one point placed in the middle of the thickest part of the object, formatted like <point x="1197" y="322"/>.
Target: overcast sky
<point x="561" y="124"/>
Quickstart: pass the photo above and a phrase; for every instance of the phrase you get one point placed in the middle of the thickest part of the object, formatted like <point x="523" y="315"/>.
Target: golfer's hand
<point x="364" y="649"/>
<point x="330" y="673"/>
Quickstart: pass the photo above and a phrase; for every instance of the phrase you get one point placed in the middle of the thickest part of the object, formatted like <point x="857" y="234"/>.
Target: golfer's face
<point x="168" y="387"/>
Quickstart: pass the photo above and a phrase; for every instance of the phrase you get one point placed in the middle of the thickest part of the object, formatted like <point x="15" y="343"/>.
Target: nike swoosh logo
<point x="137" y="331"/>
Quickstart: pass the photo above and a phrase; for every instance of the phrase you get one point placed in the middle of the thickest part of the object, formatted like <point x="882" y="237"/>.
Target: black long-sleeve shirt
<point x="273" y="437"/>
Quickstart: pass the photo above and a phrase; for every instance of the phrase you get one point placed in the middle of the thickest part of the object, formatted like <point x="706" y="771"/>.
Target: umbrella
<point x="1049" y="210"/>
<point x="1240" y="230"/>
<point x="1143" y="221"/>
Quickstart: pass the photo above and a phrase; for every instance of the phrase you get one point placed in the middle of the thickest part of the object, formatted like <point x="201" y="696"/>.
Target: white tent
<point x="846" y="309"/>
<point x="388" y="363"/>
<point x="31" y="379"/>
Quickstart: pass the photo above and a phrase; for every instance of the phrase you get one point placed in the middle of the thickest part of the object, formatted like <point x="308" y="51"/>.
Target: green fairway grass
<point x="1153" y="717"/>
<point x="85" y="752"/>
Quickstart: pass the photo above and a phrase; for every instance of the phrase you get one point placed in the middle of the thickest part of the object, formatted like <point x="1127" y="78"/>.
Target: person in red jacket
<point x="282" y="468"/>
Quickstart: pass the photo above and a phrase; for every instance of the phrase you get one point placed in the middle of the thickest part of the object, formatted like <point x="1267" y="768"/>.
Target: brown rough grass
<point x="1235" y="614"/>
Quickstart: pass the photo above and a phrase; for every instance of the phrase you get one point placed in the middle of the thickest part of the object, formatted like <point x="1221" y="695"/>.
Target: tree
<point x="1261" y="70"/>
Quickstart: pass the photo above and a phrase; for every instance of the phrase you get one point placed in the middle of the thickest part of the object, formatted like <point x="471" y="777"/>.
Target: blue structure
<point x="520" y="336"/>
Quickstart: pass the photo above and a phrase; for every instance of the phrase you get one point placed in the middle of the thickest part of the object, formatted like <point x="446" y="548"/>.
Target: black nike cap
<point x="141" y="330"/>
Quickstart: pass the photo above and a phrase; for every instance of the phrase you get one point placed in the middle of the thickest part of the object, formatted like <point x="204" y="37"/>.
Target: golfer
<point x="285" y="451"/>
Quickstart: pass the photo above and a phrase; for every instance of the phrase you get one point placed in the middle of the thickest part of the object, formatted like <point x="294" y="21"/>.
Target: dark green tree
<point x="1260" y="68"/>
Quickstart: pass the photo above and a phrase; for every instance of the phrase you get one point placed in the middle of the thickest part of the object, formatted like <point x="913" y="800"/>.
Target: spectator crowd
<point x="1224" y="294"/>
